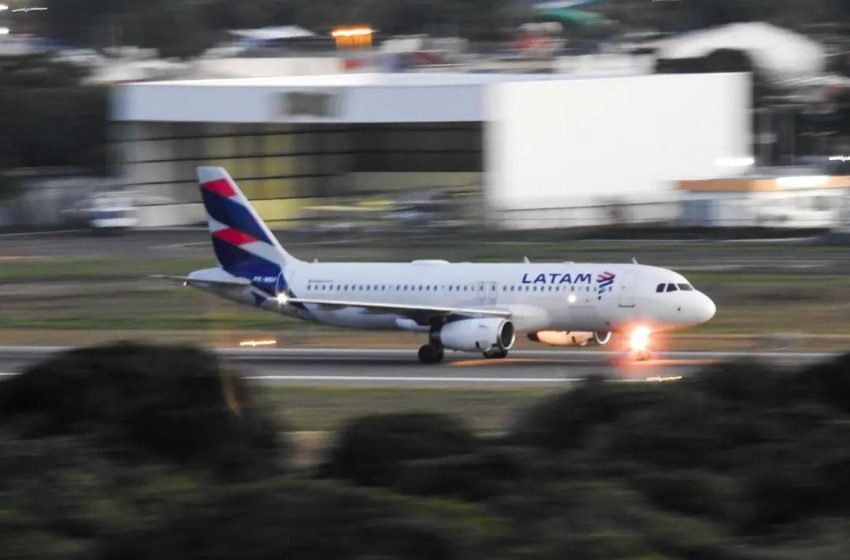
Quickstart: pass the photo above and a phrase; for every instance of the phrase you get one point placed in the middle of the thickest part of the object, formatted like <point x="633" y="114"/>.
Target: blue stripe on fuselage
<point x="233" y="214"/>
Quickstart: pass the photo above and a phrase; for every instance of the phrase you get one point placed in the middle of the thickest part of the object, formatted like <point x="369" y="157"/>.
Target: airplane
<point x="467" y="307"/>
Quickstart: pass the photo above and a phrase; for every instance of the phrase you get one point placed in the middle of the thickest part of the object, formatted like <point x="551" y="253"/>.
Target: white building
<point x="545" y="150"/>
<point x="781" y="54"/>
<point x="806" y="199"/>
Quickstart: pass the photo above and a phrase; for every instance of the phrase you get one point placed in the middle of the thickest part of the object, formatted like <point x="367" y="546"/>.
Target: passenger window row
<point x="431" y="288"/>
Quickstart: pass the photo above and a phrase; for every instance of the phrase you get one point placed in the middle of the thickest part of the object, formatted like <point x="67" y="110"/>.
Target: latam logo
<point x="557" y="278"/>
<point x="605" y="282"/>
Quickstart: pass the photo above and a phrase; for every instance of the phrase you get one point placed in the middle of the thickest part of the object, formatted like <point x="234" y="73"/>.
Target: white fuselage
<point x="540" y="297"/>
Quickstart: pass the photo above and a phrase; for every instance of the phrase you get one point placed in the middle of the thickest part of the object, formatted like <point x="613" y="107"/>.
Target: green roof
<point x="576" y="16"/>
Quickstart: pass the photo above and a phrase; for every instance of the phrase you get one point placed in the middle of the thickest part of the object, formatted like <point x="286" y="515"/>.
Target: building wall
<point x="287" y="168"/>
<point x="805" y="208"/>
<point x="610" y="141"/>
<point x="245" y="67"/>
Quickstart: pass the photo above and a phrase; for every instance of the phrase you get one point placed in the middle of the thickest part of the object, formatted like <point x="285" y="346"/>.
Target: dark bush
<point x="827" y="382"/>
<point x="682" y="432"/>
<point x="693" y="492"/>
<point x="371" y="449"/>
<point x="481" y="476"/>
<point x="562" y="422"/>
<point x="800" y="477"/>
<point x="290" y="520"/>
<point x="740" y="383"/>
<point x="172" y="403"/>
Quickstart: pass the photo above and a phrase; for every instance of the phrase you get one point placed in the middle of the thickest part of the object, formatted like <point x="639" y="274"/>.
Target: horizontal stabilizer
<point x="236" y="282"/>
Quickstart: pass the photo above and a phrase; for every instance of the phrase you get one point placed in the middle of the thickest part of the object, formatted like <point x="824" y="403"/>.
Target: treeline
<point x="689" y="16"/>
<point x="48" y="118"/>
<point x="184" y="28"/>
<point x="138" y="452"/>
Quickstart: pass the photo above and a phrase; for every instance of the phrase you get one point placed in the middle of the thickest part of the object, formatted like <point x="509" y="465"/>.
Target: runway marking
<point x="373" y="378"/>
<point x="40" y="233"/>
<point x="187" y="245"/>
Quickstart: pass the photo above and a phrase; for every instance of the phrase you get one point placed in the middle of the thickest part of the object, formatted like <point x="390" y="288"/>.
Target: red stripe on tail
<point x="234" y="236"/>
<point x="220" y="186"/>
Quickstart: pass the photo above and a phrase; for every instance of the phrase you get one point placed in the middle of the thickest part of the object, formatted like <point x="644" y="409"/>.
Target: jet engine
<point x="482" y="335"/>
<point x="570" y="338"/>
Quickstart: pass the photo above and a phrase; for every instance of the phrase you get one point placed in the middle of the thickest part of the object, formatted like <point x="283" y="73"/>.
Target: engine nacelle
<point x="570" y="338"/>
<point x="479" y="335"/>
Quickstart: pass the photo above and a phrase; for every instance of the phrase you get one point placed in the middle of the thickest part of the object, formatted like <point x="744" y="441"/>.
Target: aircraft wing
<point x="236" y="282"/>
<point x="413" y="311"/>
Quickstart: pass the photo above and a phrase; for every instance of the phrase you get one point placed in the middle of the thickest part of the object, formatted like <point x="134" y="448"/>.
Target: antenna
<point x="525" y="260"/>
<point x="634" y="260"/>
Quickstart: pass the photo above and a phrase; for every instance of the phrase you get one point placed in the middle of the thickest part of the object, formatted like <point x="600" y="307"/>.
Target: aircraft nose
<point x="707" y="309"/>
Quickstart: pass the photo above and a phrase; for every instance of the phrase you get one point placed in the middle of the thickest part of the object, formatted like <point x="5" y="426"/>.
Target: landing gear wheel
<point x="496" y="354"/>
<point x="430" y="354"/>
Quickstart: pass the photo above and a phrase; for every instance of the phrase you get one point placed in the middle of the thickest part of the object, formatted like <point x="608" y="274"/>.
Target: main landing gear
<point x="431" y="354"/>
<point x="434" y="354"/>
<point x="496" y="354"/>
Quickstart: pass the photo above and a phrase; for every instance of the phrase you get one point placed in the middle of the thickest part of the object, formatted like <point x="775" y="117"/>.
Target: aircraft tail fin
<point x="243" y="244"/>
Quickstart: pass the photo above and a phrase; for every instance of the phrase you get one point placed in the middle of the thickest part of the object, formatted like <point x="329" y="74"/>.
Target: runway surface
<point x="394" y="367"/>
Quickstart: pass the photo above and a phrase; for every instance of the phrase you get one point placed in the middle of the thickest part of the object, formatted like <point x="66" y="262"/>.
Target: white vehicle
<point x="458" y="306"/>
<point x="109" y="211"/>
<point x="113" y="213"/>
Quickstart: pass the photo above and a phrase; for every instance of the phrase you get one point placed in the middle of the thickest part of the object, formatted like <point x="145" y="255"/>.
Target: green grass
<point x="322" y="409"/>
<point x="780" y="302"/>
<point x="93" y="269"/>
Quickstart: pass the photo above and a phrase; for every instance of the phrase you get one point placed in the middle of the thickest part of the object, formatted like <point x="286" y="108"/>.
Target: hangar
<point x="540" y="150"/>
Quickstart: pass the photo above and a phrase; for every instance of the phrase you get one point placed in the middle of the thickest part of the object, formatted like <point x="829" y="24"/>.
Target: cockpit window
<point x="671" y="287"/>
<point x="660" y="288"/>
<point x="686" y="287"/>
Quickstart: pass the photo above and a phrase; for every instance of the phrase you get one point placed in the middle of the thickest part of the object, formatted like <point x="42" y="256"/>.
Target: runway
<point x="394" y="367"/>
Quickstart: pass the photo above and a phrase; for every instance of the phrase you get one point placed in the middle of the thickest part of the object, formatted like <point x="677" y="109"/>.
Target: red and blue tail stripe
<point x="243" y="244"/>
<point x="230" y="211"/>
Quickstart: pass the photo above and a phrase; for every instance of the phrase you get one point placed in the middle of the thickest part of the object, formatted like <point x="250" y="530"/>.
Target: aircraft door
<point x="486" y="293"/>
<point x="627" y="290"/>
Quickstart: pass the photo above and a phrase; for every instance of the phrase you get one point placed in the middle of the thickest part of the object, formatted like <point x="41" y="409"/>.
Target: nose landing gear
<point x="639" y="344"/>
<point x="641" y="355"/>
